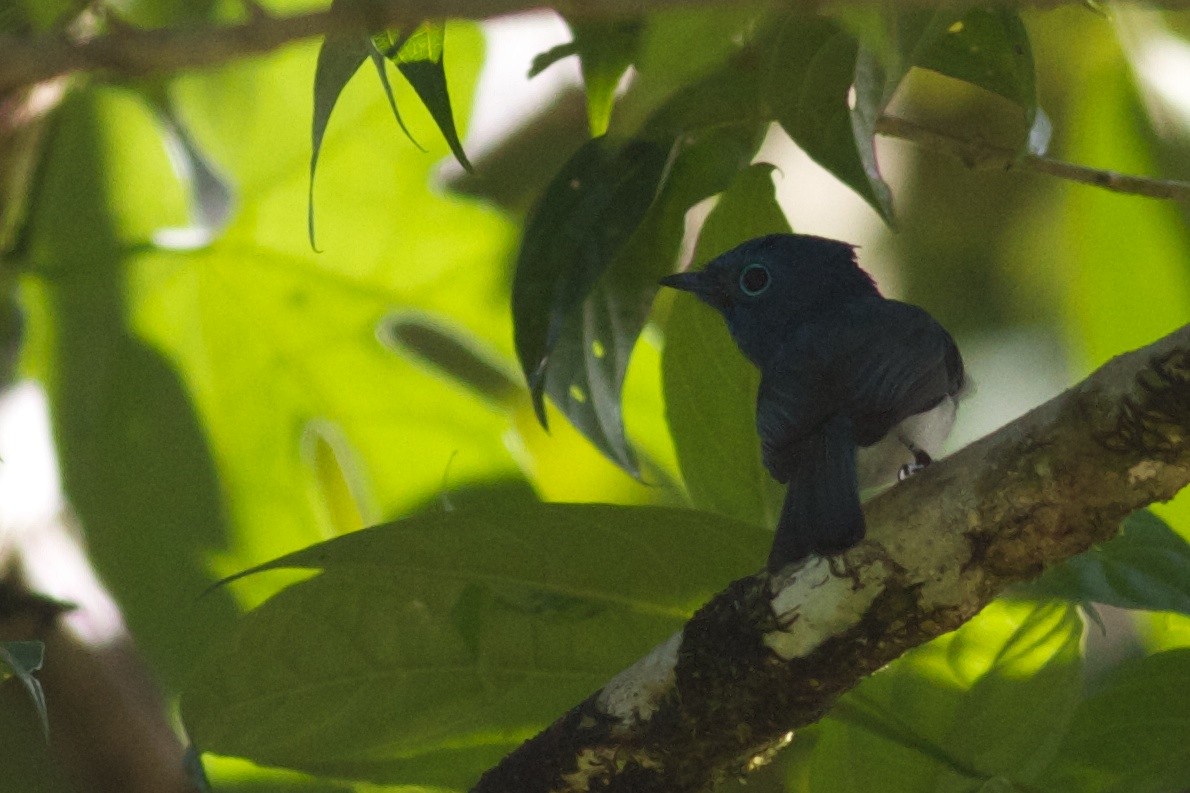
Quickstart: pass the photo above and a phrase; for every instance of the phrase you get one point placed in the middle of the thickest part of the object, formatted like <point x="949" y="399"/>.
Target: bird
<point x="856" y="389"/>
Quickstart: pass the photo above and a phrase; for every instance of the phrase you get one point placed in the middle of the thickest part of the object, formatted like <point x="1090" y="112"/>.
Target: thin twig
<point x="984" y="155"/>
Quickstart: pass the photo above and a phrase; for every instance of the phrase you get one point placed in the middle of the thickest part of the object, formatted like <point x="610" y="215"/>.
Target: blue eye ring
<point x="754" y="279"/>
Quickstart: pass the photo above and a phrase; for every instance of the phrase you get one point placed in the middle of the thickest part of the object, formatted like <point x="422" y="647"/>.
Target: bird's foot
<point x="920" y="460"/>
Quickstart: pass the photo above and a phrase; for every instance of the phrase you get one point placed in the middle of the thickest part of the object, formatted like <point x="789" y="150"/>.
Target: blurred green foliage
<point x="226" y="401"/>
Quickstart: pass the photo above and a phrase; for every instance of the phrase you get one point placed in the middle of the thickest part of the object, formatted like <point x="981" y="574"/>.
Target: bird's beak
<point x="701" y="285"/>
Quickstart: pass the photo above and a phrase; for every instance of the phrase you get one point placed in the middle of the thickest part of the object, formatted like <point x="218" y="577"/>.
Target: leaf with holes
<point x="988" y="47"/>
<point x="587" y="369"/>
<point x="578" y="226"/>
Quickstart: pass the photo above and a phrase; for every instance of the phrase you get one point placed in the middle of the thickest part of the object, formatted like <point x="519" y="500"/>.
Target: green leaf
<point x="988" y="47"/>
<point x="577" y="228"/>
<point x="22" y="659"/>
<point x="1130" y="736"/>
<point x="428" y="647"/>
<point x="989" y="701"/>
<point x="1144" y="567"/>
<point x="151" y="520"/>
<point x="812" y="73"/>
<point x="710" y="388"/>
<point x="545" y="60"/>
<point x="339" y="59"/>
<point x="420" y="61"/>
<point x="605" y="50"/>
<point x="587" y="369"/>
<point x="680" y="48"/>
<point x="1010" y="722"/>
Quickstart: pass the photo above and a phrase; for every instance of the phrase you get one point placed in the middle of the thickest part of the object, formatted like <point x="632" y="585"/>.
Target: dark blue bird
<point x="842" y="369"/>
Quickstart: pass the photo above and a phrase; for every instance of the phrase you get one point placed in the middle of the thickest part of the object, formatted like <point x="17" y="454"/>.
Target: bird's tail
<point x="821" y="514"/>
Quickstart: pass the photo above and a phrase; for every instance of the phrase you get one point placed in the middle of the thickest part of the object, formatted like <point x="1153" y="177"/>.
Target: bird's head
<point x="767" y="286"/>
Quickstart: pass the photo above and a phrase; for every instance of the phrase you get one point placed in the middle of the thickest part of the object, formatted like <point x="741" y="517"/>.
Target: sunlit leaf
<point x="428" y="647"/>
<point x="710" y="388"/>
<point x="277" y="341"/>
<point x="152" y="519"/>
<point x="1144" y="567"/>
<point x="605" y="50"/>
<point x="990" y="700"/>
<point x="1130" y="736"/>
<point x="420" y="61"/>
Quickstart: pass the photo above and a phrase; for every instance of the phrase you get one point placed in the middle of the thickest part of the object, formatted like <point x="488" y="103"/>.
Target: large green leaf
<point x="587" y="369"/>
<point x="578" y="226"/>
<point x="1144" y="567"/>
<point x="710" y="388"/>
<point x="988" y="47"/>
<point x="136" y="460"/>
<point x="426" y="648"/>
<point x="1130" y="736"/>
<point x="813" y="70"/>
<point x="983" y="706"/>
<point x="276" y="345"/>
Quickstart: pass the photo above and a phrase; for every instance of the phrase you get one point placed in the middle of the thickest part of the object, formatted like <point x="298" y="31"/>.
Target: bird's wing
<point x="887" y="361"/>
<point x="876" y="361"/>
<point x="792" y="404"/>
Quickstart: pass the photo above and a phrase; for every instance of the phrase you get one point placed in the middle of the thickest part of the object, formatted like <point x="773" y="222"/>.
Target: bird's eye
<point x="754" y="279"/>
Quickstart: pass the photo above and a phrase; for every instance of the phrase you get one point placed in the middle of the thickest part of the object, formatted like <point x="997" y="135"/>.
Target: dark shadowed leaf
<point x="21" y="660"/>
<point x="988" y="47"/>
<point x="710" y="388"/>
<point x="586" y="373"/>
<point x="379" y="63"/>
<point x="152" y="519"/>
<point x="545" y="60"/>
<point x="419" y="60"/>
<point x="339" y="59"/>
<point x="428" y="647"/>
<point x="578" y="226"/>
<point x="1144" y="567"/>
<point x="813" y="70"/>
<point x="1130" y="736"/>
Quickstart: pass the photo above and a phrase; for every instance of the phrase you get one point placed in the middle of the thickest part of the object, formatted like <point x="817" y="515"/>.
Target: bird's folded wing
<point x="877" y="362"/>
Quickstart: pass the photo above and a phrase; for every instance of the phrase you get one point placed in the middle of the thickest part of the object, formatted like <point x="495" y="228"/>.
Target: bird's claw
<point x="920" y="460"/>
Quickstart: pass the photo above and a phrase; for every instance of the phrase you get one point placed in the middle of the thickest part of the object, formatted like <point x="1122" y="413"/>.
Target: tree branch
<point x="134" y="52"/>
<point x="768" y="656"/>
<point x="979" y="154"/>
